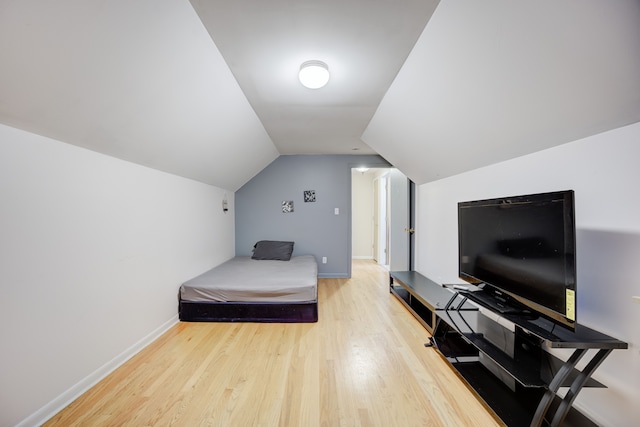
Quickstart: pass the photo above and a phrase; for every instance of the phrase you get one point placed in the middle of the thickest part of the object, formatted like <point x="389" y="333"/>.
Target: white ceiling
<point x="138" y="80"/>
<point x="208" y="89"/>
<point x="364" y="43"/>
<point x="493" y="80"/>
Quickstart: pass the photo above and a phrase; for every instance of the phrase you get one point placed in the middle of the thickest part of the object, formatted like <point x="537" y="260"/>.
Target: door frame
<point x="411" y="216"/>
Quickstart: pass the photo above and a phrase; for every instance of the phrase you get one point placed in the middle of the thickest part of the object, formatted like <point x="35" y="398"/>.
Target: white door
<point x="383" y="220"/>
<point x="399" y="225"/>
<point x="376" y="219"/>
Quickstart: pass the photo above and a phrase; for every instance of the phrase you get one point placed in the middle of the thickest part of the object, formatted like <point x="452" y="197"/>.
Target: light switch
<point x="336" y="211"/>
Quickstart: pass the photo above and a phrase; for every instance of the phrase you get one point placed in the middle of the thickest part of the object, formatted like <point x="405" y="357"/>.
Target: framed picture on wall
<point x="287" y="206"/>
<point x="310" y="195"/>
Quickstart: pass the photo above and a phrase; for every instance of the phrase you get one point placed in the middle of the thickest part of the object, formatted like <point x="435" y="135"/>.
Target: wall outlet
<point x="324" y="259"/>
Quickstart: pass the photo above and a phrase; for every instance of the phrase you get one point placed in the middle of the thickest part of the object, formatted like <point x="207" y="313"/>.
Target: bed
<point x="254" y="289"/>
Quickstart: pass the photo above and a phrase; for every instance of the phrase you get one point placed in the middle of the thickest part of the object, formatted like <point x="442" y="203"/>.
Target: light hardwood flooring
<point x="363" y="364"/>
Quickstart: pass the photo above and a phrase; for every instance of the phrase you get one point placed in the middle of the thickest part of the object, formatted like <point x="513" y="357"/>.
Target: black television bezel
<point x="568" y="199"/>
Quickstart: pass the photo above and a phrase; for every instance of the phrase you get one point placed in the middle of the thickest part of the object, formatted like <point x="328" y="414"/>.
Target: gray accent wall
<point x="313" y="226"/>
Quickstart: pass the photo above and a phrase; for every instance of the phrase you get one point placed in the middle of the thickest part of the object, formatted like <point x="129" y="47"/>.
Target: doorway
<point x="382" y="217"/>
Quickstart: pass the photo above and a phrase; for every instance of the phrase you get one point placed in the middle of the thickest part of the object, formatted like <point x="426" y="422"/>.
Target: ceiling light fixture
<point x="314" y="74"/>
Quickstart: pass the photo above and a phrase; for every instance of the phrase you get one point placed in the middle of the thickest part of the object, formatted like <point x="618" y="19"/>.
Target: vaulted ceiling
<point x="208" y="89"/>
<point x="363" y="42"/>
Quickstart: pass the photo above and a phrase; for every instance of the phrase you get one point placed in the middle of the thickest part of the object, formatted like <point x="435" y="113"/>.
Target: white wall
<point x="92" y="252"/>
<point x="362" y="214"/>
<point x="603" y="170"/>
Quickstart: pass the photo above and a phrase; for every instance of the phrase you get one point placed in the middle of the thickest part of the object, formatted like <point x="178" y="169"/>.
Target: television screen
<point x="522" y="248"/>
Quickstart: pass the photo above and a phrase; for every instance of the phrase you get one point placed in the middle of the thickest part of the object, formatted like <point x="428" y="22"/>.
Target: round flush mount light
<point x="314" y="74"/>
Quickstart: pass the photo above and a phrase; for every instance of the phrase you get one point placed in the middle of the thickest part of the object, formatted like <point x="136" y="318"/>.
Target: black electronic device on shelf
<point x="521" y="250"/>
<point x="502" y="354"/>
<point x="520" y="255"/>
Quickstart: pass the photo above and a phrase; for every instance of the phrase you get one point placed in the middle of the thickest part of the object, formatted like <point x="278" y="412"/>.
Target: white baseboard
<point x="56" y="405"/>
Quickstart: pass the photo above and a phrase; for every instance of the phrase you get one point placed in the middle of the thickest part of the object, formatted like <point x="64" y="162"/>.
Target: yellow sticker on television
<point x="571" y="304"/>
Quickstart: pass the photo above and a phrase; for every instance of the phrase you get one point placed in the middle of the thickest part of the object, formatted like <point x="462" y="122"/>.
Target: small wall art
<point x="310" y="195"/>
<point x="287" y="206"/>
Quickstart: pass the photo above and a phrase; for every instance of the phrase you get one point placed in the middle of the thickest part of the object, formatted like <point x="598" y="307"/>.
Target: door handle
<point x="410" y="230"/>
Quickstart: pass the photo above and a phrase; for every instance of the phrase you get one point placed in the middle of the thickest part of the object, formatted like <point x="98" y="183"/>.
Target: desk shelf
<point x="504" y="357"/>
<point x="420" y="295"/>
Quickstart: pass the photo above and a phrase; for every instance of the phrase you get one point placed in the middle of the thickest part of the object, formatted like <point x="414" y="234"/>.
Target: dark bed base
<point x="302" y="312"/>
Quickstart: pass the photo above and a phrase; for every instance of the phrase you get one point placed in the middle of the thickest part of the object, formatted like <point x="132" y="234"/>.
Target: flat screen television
<point x="521" y="251"/>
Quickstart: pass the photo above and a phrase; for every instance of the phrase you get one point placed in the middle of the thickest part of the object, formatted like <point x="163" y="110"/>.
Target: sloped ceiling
<point x="138" y="80"/>
<point x="493" y="80"/>
<point x="485" y="81"/>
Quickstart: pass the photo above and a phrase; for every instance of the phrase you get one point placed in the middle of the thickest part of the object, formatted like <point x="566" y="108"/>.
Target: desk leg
<point x="577" y="385"/>
<point x="557" y="381"/>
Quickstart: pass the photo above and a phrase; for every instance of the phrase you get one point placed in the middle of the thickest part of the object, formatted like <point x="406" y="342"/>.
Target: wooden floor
<point x="362" y="364"/>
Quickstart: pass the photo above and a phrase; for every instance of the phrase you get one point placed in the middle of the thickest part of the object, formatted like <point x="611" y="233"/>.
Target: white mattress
<point x="242" y="279"/>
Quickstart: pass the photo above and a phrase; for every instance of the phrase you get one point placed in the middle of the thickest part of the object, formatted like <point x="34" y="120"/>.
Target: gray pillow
<point x="273" y="250"/>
